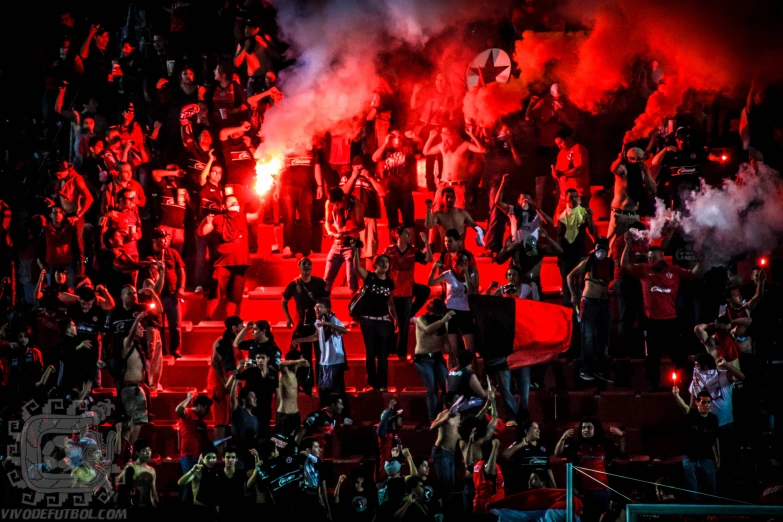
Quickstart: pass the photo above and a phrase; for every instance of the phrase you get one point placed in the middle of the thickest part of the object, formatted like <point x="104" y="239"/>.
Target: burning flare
<point x="266" y="173"/>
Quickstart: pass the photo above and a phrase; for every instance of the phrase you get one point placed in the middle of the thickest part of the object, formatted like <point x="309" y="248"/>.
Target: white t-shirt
<point x="721" y="389"/>
<point x="332" y="351"/>
<point x="524" y="227"/>
<point x="456" y="292"/>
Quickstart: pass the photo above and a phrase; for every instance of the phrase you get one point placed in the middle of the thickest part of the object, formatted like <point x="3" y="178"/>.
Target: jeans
<point x="173" y="310"/>
<point x="377" y="337"/>
<point x="402" y="201"/>
<point x="177" y="235"/>
<point x="293" y="198"/>
<point x="338" y="255"/>
<point x="496" y="229"/>
<point x="332" y="380"/>
<point x="443" y="461"/>
<point x="406" y="308"/>
<point x="203" y="274"/>
<point x="596" y="322"/>
<point x="155" y="357"/>
<point x="628" y="291"/>
<point x="187" y="463"/>
<point x="663" y="337"/>
<point x="307" y="349"/>
<point x="503" y="375"/>
<point x="699" y="476"/>
<point x="433" y="374"/>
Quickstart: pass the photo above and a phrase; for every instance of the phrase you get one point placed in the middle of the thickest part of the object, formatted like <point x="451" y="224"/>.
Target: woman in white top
<point x="517" y="287"/>
<point x="459" y="284"/>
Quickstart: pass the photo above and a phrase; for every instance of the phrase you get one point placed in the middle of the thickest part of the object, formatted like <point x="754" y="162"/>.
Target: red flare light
<point x="266" y="172"/>
<point x="763" y="261"/>
<point x="674" y="376"/>
<point x="723" y="157"/>
<point x="152" y="306"/>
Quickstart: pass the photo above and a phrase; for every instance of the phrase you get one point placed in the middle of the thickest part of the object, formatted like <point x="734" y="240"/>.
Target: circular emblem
<point x="669" y="275"/>
<point x="94" y="318"/>
<point x="289" y="460"/>
<point x="359" y="504"/>
<point x="693" y="155"/>
<point x="490" y="65"/>
<point x="49" y="324"/>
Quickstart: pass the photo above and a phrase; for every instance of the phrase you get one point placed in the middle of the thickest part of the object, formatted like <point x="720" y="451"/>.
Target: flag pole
<point x="569" y="492"/>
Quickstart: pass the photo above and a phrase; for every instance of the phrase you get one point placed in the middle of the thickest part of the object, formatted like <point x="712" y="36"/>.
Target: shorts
<point x="462" y="323"/>
<point x="287" y="423"/>
<point x="135" y="403"/>
<point x="230" y="282"/>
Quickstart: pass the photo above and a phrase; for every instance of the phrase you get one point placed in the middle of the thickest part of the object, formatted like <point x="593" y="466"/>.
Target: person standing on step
<point x="295" y="191"/>
<point x="230" y="230"/>
<point x="305" y="290"/>
<point x="225" y="359"/>
<point x="263" y="341"/>
<point x="378" y="318"/>
<point x="365" y="188"/>
<point x="431" y="339"/>
<point x="344" y="221"/>
<point x="173" y="288"/>
<point x="333" y="363"/>
<point x="288" y="420"/>
<point x="593" y="309"/>
<point x="408" y="295"/>
<point x="447" y="424"/>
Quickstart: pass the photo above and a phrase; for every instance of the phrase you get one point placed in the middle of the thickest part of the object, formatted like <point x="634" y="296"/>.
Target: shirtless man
<point x="431" y="342"/>
<point x="593" y="307"/>
<point x="288" y="418"/>
<point x="447" y="424"/>
<point x="144" y="477"/>
<point x="74" y="196"/>
<point x="450" y="217"/>
<point x="454" y="150"/>
<point x="131" y="393"/>
<point x="628" y="191"/>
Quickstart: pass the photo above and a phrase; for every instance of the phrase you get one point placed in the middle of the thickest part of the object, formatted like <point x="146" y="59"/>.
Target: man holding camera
<point x="344" y="218"/>
<point x="631" y="179"/>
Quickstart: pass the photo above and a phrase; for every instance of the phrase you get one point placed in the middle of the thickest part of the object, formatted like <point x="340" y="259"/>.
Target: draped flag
<point x="536" y="505"/>
<point x="527" y="332"/>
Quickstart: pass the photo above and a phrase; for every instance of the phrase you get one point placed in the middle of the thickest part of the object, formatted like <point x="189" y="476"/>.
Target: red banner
<point x="542" y="331"/>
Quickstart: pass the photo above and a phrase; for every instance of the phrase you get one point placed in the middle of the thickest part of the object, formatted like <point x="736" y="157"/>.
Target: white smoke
<point x="739" y="216"/>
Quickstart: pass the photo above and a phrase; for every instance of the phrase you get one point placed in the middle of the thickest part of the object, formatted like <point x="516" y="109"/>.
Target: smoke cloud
<point x="336" y="44"/>
<point x="739" y="216"/>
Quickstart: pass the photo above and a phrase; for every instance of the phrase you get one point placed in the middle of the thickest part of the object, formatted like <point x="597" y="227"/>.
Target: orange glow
<point x="724" y="157"/>
<point x="266" y="172"/>
<point x="763" y="261"/>
<point x="152" y="306"/>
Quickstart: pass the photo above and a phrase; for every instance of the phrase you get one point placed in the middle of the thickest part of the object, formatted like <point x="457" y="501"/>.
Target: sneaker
<point x="275" y="249"/>
<point x="347" y="422"/>
<point x="511" y="424"/>
<point x="604" y="376"/>
<point x="199" y="290"/>
<point x="585" y="376"/>
<point x="287" y="254"/>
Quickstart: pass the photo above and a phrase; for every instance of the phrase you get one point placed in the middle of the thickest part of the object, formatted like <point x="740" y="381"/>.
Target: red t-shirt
<point x="576" y="156"/>
<point x="192" y="434"/>
<point x="594" y="457"/>
<point x="660" y="289"/>
<point x="402" y="267"/>
<point x="48" y="330"/>
<point x="487" y="490"/>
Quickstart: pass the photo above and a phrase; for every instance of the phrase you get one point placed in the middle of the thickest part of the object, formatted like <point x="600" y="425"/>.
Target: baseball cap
<point x="392" y="467"/>
<point x="158" y="233"/>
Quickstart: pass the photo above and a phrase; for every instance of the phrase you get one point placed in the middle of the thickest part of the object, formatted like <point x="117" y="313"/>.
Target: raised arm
<point x="429" y="148"/>
<point x="680" y="402"/>
<point x="429" y="219"/>
<point x="578" y="271"/>
<point x="430" y="329"/>
<point x="357" y="262"/>
<point x="205" y="171"/>
<point x="180" y="409"/>
<point x="760" y="287"/>
<point x="475" y="145"/>
<point x="499" y="195"/>
<point x="433" y="280"/>
<point x="625" y="259"/>
<point x="242" y="334"/>
<point x="127" y="343"/>
<point x="205" y="227"/>
<point x="490" y="467"/>
<point x="560" y="447"/>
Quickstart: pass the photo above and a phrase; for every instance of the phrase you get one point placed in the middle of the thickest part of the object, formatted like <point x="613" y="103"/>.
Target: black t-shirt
<point x="270" y="348"/>
<point x="281" y="476"/>
<point x="305" y="295"/>
<point x="299" y="168"/>
<point x="317" y="420"/>
<point x="263" y="387"/>
<point x="171" y="205"/>
<point x="700" y="434"/>
<point x="358" y="507"/>
<point x="232" y="491"/>
<point x="211" y="197"/>
<point x="390" y="494"/>
<point x="398" y="170"/>
<point x="73" y="363"/>
<point x="90" y="325"/>
<point x="112" y="278"/>
<point x="244" y="426"/>
<point x="516" y="471"/>
<point x="377" y="295"/>
<point x="682" y="169"/>
<point x="240" y="165"/>
<point x="459" y="382"/>
<point x="682" y="252"/>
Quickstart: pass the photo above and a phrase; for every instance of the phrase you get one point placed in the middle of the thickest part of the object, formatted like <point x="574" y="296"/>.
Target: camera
<point x="351" y="242"/>
<point x="508" y="289"/>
